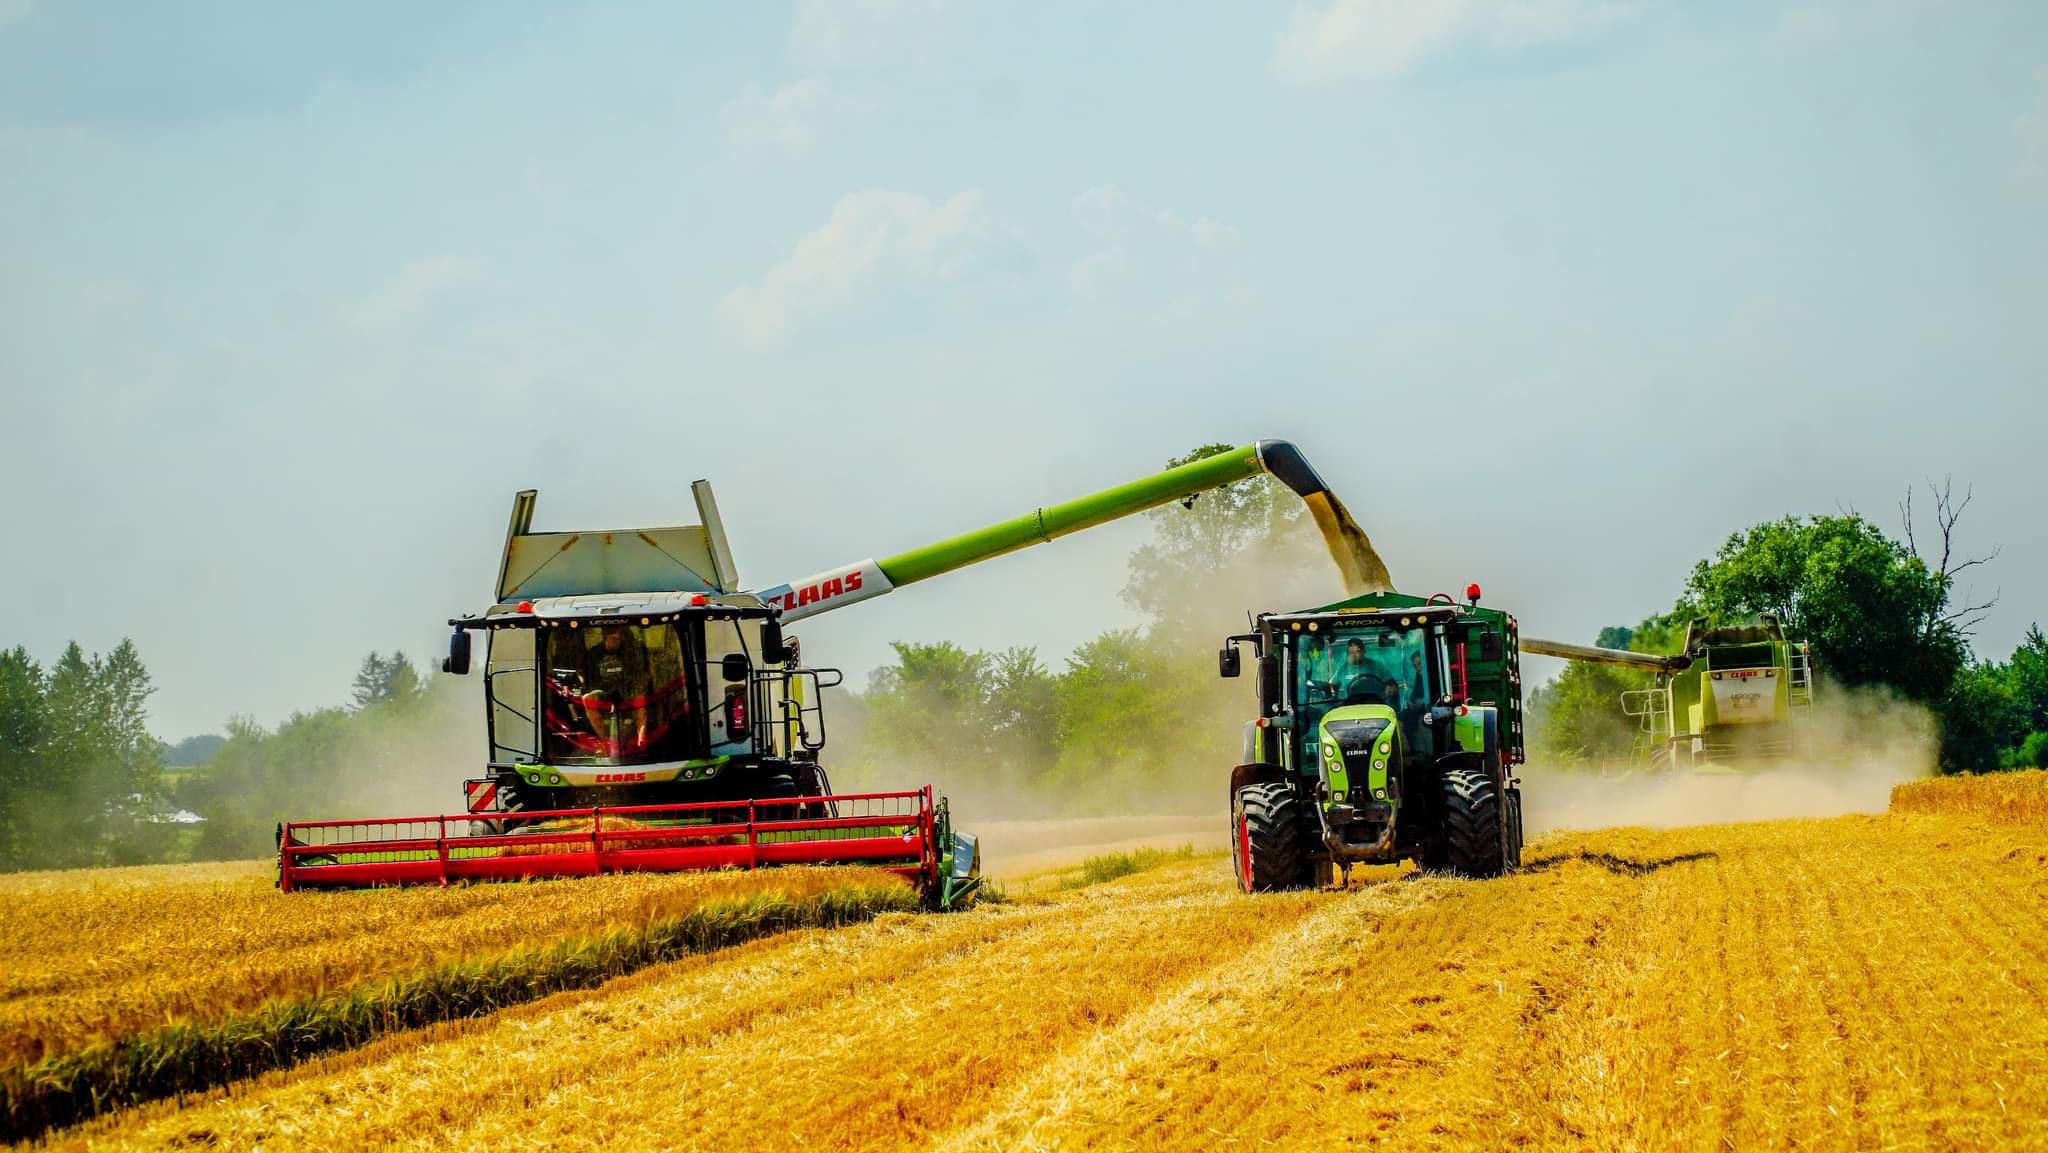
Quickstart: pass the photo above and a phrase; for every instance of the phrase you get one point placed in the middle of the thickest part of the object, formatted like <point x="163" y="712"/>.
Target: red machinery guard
<point x="894" y="831"/>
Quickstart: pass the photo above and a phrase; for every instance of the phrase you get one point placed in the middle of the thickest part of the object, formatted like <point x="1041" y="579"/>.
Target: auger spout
<point x="1648" y="662"/>
<point x="1356" y="559"/>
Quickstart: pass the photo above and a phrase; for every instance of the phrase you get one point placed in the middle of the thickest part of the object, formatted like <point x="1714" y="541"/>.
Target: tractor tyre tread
<point x="1473" y="818"/>
<point x="1273" y="823"/>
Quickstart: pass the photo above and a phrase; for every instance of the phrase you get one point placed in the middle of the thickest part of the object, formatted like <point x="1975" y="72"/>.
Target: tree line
<point x="79" y="776"/>
<point x="84" y="783"/>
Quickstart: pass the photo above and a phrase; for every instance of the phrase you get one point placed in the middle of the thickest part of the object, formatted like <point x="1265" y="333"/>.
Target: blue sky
<point x="296" y="296"/>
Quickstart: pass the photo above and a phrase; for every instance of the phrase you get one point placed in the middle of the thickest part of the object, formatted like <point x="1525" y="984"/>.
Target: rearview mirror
<point x="735" y="667"/>
<point x="458" y="654"/>
<point x="1228" y="663"/>
<point x="773" y="650"/>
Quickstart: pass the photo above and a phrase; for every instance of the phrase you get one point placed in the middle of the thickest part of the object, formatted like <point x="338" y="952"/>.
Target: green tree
<point x="1128" y="723"/>
<point x="1576" y="720"/>
<point x="384" y="680"/>
<point x="193" y="751"/>
<point x="1245" y="546"/>
<point x="259" y="778"/>
<point x="91" y="790"/>
<point x="24" y="728"/>
<point x="1979" y="720"/>
<point x="403" y="757"/>
<point x="2027" y="676"/>
<point x="1023" y="712"/>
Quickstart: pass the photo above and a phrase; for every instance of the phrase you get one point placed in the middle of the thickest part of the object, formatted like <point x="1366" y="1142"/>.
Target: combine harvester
<point x="647" y="714"/>
<point x="1733" y="699"/>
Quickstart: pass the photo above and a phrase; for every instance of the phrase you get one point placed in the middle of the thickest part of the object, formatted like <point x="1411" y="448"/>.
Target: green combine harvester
<point x="1388" y="728"/>
<point x="1733" y="699"/>
<point x="646" y="712"/>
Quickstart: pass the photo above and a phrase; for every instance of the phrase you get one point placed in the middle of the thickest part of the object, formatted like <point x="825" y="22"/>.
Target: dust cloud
<point x="1017" y="848"/>
<point x="1857" y="745"/>
<point x="410" y="762"/>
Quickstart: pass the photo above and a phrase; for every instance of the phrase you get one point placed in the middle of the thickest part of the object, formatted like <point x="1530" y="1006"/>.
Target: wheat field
<point x="1862" y="982"/>
<point x="90" y="956"/>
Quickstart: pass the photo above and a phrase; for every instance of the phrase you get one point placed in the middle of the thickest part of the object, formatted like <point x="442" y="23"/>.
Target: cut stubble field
<point x="1849" y="983"/>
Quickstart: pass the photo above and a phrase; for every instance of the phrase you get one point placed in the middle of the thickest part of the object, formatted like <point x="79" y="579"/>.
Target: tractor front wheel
<point x="1268" y="839"/>
<point x="1473" y="840"/>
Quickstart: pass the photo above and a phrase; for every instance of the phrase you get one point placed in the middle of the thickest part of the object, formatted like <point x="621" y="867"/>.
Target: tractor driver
<point x="615" y="673"/>
<point x="1357" y="677"/>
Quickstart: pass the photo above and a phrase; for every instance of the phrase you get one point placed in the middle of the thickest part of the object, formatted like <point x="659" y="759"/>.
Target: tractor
<point x="1389" y="727"/>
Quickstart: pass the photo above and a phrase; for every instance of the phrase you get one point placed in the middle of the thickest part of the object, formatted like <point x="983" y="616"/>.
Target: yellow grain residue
<point x="2018" y="797"/>
<point x="1861" y="982"/>
<point x="83" y="961"/>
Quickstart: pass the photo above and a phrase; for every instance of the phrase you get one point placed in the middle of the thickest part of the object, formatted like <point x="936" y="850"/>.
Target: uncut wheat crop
<point x="2016" y="798"/>
<point x="91" y="957"/>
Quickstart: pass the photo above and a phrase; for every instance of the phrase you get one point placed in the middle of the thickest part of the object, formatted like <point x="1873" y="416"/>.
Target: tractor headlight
<point x="1379" y="763"/>
<point x="1330" y="750"/>
<point x="1379" y="794"/>
<point x="1386" y="747"/>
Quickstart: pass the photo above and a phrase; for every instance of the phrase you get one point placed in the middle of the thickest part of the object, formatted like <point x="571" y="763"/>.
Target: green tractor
<point x="1389" y="727"/>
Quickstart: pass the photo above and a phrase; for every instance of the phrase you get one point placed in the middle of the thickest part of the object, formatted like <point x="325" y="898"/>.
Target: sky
<point x="1556" y="294"/>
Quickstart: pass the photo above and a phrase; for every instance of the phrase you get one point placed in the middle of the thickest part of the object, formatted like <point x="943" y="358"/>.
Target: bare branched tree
<point x="1964" y="618"/>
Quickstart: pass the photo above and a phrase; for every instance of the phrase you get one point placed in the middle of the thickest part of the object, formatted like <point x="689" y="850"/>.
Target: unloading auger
<point x="647" y="713"/>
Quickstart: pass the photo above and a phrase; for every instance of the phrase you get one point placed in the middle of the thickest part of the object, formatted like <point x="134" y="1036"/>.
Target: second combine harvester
<point x="646" y="712"/>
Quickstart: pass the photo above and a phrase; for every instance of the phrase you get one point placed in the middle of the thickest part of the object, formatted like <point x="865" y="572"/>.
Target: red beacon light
<point x="523" y="607"/>
<point x="700" y="599"/>
<point x="1472" y="592"/>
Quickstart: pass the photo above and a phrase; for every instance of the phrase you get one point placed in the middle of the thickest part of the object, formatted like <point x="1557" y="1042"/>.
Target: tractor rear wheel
<point x="1472" y="832"/>
<point x="1268" y="839"/>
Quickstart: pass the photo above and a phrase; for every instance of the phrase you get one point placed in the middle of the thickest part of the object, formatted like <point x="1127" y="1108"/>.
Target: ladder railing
<point x="1798" y="675"/>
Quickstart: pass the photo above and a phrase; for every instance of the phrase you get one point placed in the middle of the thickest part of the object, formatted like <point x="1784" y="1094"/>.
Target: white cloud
<point x="1381" y="39"/>
<point x="1151" y="259"/>
<point x="784" y="123"/>
<point x="405" y="294"/>
<point x="2032" y="130"/>
<point x="852" y="32"/>
<point x="875" y="241"/>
